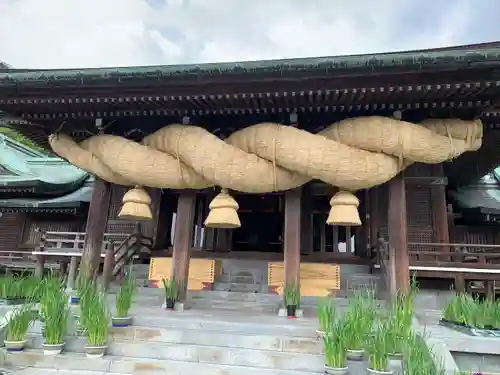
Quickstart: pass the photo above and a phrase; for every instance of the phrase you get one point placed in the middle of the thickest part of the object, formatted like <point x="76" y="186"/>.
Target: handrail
<point x="440" y="244"/>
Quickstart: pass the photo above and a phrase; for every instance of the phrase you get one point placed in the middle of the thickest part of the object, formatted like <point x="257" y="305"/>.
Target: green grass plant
<point x="125" y="295"/>
<point x="171" y="289"/>
<point x="465" y="309"/>
<point x="20" y="286"/>
<point x="94" y="314"/>
<point x="291" y="295"/>
<point x="327" y="313"/>
<point x="378" y="348"/>
<point x="20" y="322"/>
<point x="360" y="318"/>
<point x="54" y="310"/>
<point x="419" y="360"/>
<point x="334" y="342"/>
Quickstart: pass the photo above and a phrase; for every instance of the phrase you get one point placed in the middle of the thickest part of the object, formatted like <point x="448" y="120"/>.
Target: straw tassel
<point x="223" y="212"/>
<point x="344" y="210"/>
<point x="136" y="205"/>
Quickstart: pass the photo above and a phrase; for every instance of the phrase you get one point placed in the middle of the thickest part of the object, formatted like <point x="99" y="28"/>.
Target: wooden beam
<point x="183" y="238"/>
<point x="398" y="231"/>
<point x="96" y="225"/>
<point x="291" y="238"/>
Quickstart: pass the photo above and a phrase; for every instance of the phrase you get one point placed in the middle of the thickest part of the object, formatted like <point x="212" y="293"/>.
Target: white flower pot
<point x="15" y="346"/>
<point x="121" y="321"/>
<point x="336" y="371"/>
<point x="92" y="351"/>
<point x="355" y="354"/>
<point x="53" y="349"/>
<point x="375" y="372"/>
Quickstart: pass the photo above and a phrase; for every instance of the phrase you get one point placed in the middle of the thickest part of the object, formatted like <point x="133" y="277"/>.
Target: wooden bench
<point x="201" y="273"/>
<point x="316" y="279"/>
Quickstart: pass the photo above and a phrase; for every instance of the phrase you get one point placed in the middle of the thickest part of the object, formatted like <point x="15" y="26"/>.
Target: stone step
<point x="234" y="339"/>
<point x="219" y="321"/>
<point x="133" y="365"/>
<point x="240" y="287"/>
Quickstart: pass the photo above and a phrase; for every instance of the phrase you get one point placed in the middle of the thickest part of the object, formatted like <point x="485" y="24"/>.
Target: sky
<point x="106" y="33"/>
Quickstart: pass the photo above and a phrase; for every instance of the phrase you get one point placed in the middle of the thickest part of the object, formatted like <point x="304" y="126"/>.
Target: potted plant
<point x="95" y="320"/>
<point x="358" y="323"/>
<point x="334" y="341"/>
<point x="378" y="351"/>
<point x="17" y="328"/>
<point x="326" y="315"/>
<point x="53" y="314"/>
<point x="124" y="299"/>
<point x="291" y="296"/>
<point x="171" y="293"/>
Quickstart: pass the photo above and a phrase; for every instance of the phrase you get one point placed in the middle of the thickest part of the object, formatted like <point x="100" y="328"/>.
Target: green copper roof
<point x="71" y="202"/>
<point x="483" y="196"/>
<point x="461" y="56"/>
<point x="22" y="167"/>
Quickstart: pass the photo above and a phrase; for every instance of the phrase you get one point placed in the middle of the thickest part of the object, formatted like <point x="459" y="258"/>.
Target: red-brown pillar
<point x="291" y="240"/>
<point x="398" y="232"/>
<point x="97" y="220"/>
<point x="183" y="238"/>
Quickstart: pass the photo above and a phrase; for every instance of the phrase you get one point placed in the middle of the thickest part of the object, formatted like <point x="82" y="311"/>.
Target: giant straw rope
<point x="353" y="154"/>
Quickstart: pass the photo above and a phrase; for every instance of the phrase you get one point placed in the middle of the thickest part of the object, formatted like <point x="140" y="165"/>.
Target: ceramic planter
<point x="355" y="354"/>
<point x="170" y="304"/>
<point x="336" y="370"/>
<point x="15" y="346"/>
<point x="94" y="351"/>
<point x="121" y="321"/>
<point x="52" y="349"/>
<point x="375" y="372"/>
<point x="290" y="311"/>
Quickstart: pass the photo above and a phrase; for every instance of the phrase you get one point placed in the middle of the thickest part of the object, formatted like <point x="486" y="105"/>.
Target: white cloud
<point x="93" y="33"/>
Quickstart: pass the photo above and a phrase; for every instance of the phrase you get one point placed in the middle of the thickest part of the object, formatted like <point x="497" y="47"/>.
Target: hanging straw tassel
<point x="344" y="210"/>
<point x="223" y="212"/>
<point x="136" y="205"/>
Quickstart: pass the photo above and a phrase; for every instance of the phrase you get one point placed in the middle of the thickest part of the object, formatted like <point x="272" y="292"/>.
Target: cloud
<point x="94" y="33"/>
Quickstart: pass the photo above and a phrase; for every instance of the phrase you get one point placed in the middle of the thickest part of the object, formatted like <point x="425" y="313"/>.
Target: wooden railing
<point x="454" y="255"/>
<point x="119" y="249"/>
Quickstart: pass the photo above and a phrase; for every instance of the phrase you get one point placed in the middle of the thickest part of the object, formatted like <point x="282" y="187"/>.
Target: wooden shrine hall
<point x="306" y="165"/>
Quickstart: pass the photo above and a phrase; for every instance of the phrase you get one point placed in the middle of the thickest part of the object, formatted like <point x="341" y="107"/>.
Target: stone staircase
<point x="191" y="342"/>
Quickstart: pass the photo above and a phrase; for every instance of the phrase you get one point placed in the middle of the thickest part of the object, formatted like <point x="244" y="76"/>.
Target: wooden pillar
<point x="306" y="239"/>
<point x="440" y="230"/>
<point x="109" y="263"/>
<point x="40" y="258"/>
<point x="223" y="239"/>
<point x="96" y="225"/>
<point x="335" y="238"/>
<point x="322" y="233"/>
<point x="348" y="239"/>
<point x="375" y="219"/>
<point x="398" y="231"/>
<point x="183" y="238"/>
<point x="200" y="214"/>
<point x="291" y="238"/>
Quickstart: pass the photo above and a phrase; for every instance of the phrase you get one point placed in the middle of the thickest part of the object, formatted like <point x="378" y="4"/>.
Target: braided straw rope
<point x="353" y="154"/>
